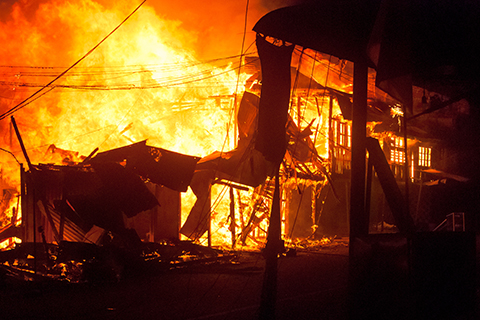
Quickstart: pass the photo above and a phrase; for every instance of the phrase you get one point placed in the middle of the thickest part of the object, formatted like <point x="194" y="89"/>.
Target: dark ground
<point x="311" y="285"/>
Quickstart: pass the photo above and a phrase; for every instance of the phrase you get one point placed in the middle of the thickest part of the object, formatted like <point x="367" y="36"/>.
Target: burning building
<point x="224" y="153"/>
<point x="201" y="177"/>
<point x="319" y="138"/>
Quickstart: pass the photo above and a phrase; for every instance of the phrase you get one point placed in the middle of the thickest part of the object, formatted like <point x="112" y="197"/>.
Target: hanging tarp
<point x="274" y="99"/>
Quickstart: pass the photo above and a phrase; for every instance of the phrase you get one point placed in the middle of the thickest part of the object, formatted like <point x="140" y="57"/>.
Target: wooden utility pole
<point x="232" y="217"/>
<point x="272" y="249"/>
<point x="358" y="218"/>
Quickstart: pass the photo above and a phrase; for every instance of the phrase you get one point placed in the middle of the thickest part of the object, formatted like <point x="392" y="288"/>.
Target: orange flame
<point x="154" y="78"/>
<point x="144" y="82"/>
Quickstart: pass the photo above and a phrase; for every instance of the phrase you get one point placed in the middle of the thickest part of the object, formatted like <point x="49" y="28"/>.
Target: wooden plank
<point x="394" y="197"/>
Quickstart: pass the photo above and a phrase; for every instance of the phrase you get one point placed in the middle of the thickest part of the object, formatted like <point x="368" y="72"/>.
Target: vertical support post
<point x="331" y="143"/>
<point x="179" y="215"/>
<point x="299" y="112"/>
<point x="23" y="199"/>
<point x="29" y="192"/>
<point x="368" y="192"/>
<point x="358" y="218"/>
<point x="272" y="249"/>
<point x="419" y="197"/>
<point x="406" y="164"/>
<point x="209" y="219"/>
<point x="34" y="212"/>
<point x="235" y="117"/>
<point x="232" y="217"/>
<point x="240" y="211"/>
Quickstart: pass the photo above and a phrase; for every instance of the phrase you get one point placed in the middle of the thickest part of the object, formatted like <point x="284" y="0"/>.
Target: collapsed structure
<point x="133" y="195"/>
<point x="134" y="192"/>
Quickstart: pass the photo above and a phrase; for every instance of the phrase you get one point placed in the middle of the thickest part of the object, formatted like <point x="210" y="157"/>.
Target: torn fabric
<point x="274" y="99"/>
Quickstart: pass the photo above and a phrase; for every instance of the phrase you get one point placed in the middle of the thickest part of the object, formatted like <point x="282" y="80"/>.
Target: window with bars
<point x="342" y="142"/>
<point x="344" y="134"/>
<point x="397" y="156"/>
<point x="424" y="156"/>
<point x="397" y="150"/>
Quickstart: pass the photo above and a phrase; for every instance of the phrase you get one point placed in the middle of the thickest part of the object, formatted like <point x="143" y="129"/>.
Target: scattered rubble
<point x="77" y="262"/>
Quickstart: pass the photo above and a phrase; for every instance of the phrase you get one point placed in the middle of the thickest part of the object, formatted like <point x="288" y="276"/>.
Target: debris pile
<point x="79" y="262"/>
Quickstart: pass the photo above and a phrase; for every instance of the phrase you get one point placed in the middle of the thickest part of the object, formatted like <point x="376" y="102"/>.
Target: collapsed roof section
<point x="75" y="198"/>
<point x="99" y="192"/>
<point x="160" y="166"/>
<point x="247" y="165"/>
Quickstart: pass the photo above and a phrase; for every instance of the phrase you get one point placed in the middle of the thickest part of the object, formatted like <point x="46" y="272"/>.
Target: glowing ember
<point x="9" y="243"/>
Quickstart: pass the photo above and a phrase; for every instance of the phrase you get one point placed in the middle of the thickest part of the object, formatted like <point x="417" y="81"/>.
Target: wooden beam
<point x="232" y="217"/>
<point x="394" y="197"/>
<point x="358" y="219"/>
<point x="20" y="140"/>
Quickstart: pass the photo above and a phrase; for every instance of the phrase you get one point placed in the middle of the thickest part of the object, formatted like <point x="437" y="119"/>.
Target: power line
<point x="26" y="101"/>
<point x="164" y="82"/>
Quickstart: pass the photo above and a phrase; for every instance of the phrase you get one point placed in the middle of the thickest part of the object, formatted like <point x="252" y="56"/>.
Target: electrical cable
<point x="166" y="82"/>
<point x="5" y="150"/>
<point x="26" y="101"/>
<point x="232" y="113"/>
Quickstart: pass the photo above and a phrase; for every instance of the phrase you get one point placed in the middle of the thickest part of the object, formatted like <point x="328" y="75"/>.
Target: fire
<point x="327" y="70"/>
<point x="146" y="81"/>
<point x="9" y="243"/>
<point x="143" y="83"/>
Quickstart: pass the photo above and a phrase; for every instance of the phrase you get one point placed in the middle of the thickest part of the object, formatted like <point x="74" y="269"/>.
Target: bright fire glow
<point x="145" y="81"/>
<point x="9" y="243"/>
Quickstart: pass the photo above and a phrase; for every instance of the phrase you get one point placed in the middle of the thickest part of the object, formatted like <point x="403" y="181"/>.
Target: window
<point x="424" y="156"/>
<point x="397" y="156"/>
<point x="342" y="142"/>
<point x="344" y="134"/>
<point x="397" y="152"/>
